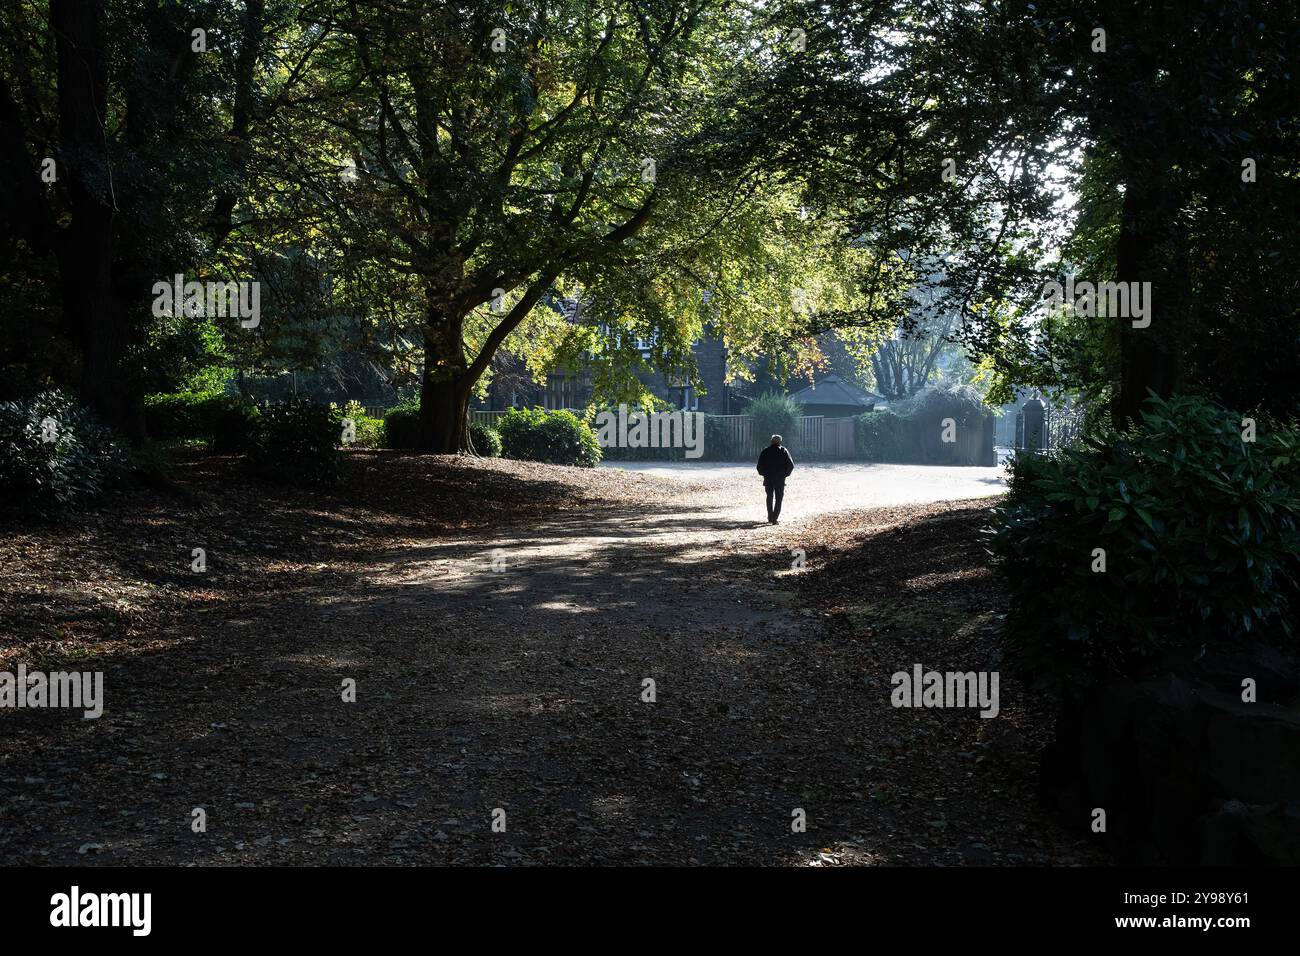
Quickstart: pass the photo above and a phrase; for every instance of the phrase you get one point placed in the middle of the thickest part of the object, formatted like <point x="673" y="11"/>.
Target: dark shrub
<point x="55" y="455"/>
<point x="402" y="425"/>
<point x="295" y="443"/>
<point x="775" y="414"/>
<point x="485" y="439"/>
<point x="913" y="430"/>
<point x="924" y="414"/>
<point x="232" y="424"/>
<point x="638" y="418"/>
<point x="1199" y="530"/>
<point x="558" y="437"/>
<point x="226" y="421"/>
<point x="884" y="436"/>
<point x="173" y="415"/>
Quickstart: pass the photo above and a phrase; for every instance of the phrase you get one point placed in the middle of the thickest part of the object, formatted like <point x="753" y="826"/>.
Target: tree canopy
<point x="432" y="184"/>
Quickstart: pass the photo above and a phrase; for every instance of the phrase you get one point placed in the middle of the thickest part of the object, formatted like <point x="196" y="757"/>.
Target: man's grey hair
<point x="776" y="439"/>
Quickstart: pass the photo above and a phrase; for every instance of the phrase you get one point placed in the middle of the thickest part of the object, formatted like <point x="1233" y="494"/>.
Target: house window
<point x="561" y="392"/>
<point x="690" y="401"/>
<point x="647" y="344"/>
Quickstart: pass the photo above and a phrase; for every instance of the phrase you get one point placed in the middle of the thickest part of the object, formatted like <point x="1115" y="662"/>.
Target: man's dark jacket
<point x="775" y="464"/>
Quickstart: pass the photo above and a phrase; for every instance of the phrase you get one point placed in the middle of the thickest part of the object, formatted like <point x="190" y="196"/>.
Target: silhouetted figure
<point x="775" y="465"/>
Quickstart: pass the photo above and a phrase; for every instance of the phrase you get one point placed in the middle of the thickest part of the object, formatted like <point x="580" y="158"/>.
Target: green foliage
<point x="557" y="437"/>
<point x="226" y="421"/>
<point x="485" y="439"/>
<point x="884" y="436"/>
<point x="402" y="425"/>
<point x="962" y="403"/>
<point x="80" y="459"/>
<point x="212" y="378"/>
<point x="1200" y="535"/>
<point x="912" y="430"/>
<point x="295" y="443"/>
<point x="182" y="353"/>
<point x="774" y="414"/>
<point x="623" y="453"/>
<point x="617" y="452"/>
<point x="369" y="431"/>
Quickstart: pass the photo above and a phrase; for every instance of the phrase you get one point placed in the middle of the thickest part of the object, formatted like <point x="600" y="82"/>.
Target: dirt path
<point x="505" y="669"/>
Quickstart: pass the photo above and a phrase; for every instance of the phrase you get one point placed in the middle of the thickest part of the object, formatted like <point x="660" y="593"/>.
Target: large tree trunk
<point x="445" y="387"/>
<point x="1148" y="356"/>
<point x="444" y="415"/>
<point x="86" y="255"/>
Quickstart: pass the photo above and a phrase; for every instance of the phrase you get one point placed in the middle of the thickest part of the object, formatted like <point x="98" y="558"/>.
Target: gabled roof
<point x="833" y="390"/>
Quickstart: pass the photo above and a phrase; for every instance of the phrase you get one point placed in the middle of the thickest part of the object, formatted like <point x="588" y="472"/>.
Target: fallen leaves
<point x="518" y="689"/>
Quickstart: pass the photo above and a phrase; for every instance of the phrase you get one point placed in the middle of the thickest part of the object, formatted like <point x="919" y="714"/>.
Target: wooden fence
<point x="815" y="436"/>
<point x="484" y="418"/>
<point x="807" y="440"/>
<point x="838" y="439"/>
<point x="738" y="435"/>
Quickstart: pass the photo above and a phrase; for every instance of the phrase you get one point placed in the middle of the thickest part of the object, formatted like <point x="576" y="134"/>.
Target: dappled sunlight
<point x="323" y="662"/>
<point x="932" y="579"/>
<point x="838" y="854"/>
<point x="498" y="704"/>
<point x="569" y="606"/>
<point x="612" y="807"/>
<point x="497" y="659"/>
<point x="731" y="653"/>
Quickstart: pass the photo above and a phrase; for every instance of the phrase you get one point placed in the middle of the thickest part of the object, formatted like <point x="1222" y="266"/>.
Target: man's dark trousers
<point x="775" y="490"/>
<point x="775" y="465"/>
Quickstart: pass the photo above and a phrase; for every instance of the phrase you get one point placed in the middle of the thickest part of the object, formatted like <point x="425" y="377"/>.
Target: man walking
<point x="775" y="465"/>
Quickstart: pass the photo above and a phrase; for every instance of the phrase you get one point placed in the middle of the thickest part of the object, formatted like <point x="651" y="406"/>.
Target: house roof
<point x="833" y="390"/>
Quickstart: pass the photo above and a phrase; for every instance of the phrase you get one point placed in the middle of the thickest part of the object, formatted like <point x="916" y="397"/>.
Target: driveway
<point x="820" y="487"/>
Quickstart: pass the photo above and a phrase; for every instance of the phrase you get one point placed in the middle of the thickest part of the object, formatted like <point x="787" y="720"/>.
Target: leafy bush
<point x="558" y="437"/>
<point x="960" y="402"/>
<point x="625" y="453"/>
<point x="232" y="424"/>
<point x="912" y="430"/>
<point x="774" y="414"/>
<point x="884" y="436"/>
<point x="1200" y="536"/>
<point x="368" y="432"/>
<point x="55" y="455"/>
<point x="226" y="421"/>
<point x="924" y="414"/>
<point x="174" y="415"/>
<point x="485" y="439"/>
<point x="402" y="425"/>
<point x="295" y="443"/>
<point x="628" y="452"/>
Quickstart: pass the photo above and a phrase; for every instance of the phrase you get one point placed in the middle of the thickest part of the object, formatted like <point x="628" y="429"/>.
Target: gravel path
<point x="824" y="487"/>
